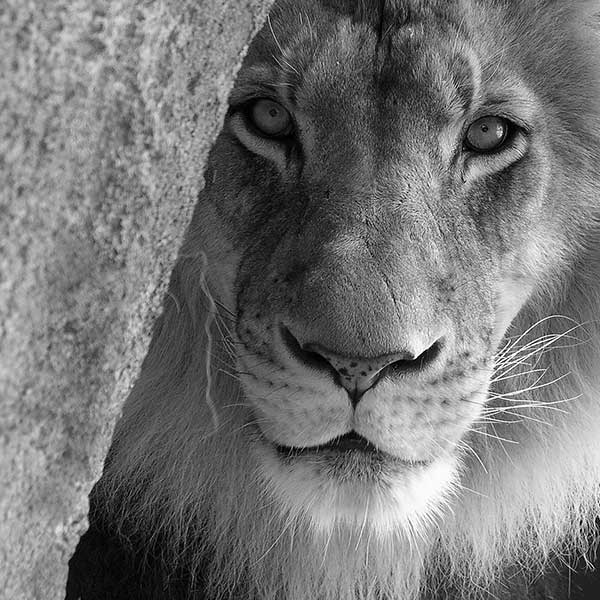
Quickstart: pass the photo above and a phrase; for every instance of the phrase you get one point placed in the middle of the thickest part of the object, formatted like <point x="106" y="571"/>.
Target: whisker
<point x="533" y="387"/>
<point x="492" y="436"/>
<point x="521" y="418"/>
<point x="462" y="486"/>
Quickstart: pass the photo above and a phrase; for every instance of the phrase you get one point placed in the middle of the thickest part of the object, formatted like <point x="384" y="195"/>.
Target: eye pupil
<point x="270" y="118"/>
<point x="487" y="134"/>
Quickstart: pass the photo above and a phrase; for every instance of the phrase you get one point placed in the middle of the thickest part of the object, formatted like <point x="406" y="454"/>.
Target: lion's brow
<point x="382" y="15"/>
<point x="387" y="16"/>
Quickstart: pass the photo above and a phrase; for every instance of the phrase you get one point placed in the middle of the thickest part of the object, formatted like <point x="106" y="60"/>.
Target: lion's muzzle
<point x="358" y="374"/>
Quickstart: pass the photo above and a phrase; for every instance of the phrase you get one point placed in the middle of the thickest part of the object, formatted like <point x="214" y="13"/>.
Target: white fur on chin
<point x="380" y="499"/>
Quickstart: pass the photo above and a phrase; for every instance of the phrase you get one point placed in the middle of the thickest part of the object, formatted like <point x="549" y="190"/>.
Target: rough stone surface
<point x="107" y="111"/>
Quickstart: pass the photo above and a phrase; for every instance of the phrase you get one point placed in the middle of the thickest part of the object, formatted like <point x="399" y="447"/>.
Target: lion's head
<point x="378" y="361"/>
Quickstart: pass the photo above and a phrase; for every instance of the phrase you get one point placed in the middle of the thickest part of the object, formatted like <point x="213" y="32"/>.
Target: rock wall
<point x="107" y="111"/>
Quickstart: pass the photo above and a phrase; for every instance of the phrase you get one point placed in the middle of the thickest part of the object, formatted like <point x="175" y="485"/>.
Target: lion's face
<point x="383" y="214"/>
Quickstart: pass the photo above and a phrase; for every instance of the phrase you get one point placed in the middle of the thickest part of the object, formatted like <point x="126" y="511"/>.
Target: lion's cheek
<point x="423" y="424"/>
<point x="292" y="408"/>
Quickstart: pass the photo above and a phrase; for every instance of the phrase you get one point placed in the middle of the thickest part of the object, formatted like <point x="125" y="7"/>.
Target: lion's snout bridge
<point x="358" y="374"/>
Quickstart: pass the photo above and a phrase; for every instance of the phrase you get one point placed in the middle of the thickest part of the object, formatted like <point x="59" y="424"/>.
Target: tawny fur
<point x="527" y="488"/>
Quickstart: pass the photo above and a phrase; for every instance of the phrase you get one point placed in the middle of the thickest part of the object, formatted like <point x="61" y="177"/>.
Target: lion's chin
<point x="354" y="489"/>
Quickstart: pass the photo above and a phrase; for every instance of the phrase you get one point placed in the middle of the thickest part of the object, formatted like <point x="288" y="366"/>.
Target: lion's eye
<point x="487" y="134"/>
<point x="270" y="118"/>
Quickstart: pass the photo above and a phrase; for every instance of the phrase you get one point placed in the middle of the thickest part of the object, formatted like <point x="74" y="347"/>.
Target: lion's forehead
<point x="414" y="69"/>
<point x="348" y="76"/>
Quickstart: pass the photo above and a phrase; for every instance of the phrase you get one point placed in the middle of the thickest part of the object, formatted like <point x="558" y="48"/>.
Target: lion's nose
<point x="357" y="375"/>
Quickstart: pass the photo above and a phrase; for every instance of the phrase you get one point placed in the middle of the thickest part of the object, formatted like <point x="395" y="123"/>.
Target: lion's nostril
<point x="357" y="375"/>
<point x="304" y="355"/>
<point x="415" y="363"/>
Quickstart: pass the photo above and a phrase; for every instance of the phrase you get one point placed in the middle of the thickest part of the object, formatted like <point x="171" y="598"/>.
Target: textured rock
<point x="107" y="111"/>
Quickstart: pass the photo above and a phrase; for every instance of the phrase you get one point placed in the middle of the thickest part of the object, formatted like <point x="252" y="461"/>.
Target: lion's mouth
<point x="351" y="445"/>
<point x="349" y="442"/>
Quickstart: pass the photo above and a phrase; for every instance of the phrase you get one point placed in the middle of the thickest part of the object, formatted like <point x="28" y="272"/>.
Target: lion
<point x="377" y="371"/>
